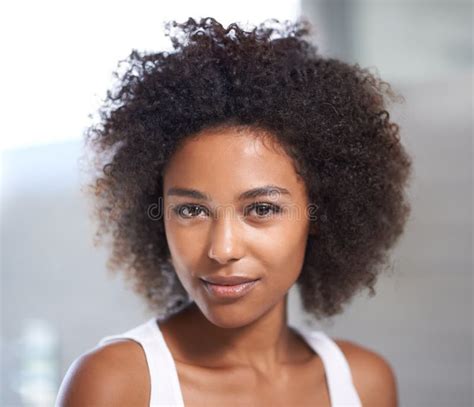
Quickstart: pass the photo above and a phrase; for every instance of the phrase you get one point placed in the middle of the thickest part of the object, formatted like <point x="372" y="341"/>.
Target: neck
<point x="263" y="345"/>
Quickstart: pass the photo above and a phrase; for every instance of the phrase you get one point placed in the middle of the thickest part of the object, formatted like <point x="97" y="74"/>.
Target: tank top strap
<point x="164" y="382"/>
<point x="341" y="388"/>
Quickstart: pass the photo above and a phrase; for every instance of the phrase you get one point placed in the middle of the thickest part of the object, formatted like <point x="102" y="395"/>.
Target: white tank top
<point x="165" y="386"/>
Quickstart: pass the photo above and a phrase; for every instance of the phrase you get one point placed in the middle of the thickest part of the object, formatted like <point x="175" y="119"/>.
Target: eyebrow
<point x="251" y="193"/>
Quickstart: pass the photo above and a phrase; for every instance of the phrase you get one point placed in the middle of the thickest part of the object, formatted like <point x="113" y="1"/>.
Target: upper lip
<point x="228" y="280"/>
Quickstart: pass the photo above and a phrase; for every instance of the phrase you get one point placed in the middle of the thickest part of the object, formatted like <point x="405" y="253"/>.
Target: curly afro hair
<point x="330" y="117"/>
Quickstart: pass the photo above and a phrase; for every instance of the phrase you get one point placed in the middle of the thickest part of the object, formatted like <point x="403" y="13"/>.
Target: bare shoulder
<point x="114" y="374"/>
<point x="373" y="376"/>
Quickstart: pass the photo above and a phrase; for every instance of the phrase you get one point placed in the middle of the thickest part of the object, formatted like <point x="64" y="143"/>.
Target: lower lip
<point x="229" y="291"/>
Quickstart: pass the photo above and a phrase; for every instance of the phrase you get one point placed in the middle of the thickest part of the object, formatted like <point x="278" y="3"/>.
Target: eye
<point x="187" y="211"/>
<point x="263" y="209"/>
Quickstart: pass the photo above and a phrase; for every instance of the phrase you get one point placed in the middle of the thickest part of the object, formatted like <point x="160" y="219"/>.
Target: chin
<point x="230" y="315"/>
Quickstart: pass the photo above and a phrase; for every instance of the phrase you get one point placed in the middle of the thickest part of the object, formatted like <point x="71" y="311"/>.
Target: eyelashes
<point x="263" y="210"/>
<point x="181" y="209"/>
<point x="275" y="209"/>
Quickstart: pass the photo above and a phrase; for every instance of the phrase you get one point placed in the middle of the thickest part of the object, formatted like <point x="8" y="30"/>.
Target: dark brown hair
<point x="331" y="117"/>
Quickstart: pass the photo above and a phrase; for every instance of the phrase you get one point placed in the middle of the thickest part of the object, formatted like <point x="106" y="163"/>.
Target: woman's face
<point x="216" y="227"/>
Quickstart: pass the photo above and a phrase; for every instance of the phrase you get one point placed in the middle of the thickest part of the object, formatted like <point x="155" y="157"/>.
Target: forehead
<point x="231" y="159"/>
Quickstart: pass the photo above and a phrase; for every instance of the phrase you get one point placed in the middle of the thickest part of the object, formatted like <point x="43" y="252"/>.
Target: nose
<point x="226" y="243"/>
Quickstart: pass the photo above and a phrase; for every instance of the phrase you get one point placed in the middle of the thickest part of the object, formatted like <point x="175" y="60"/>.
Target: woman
<point x="230" y="169"/>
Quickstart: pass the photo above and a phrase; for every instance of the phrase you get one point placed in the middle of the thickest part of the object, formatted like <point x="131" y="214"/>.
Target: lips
<point x="228" y="280"/>
<point x="233" y="292"/>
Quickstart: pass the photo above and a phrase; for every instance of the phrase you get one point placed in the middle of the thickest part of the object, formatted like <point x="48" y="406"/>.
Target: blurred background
<point x="57" y="299"/>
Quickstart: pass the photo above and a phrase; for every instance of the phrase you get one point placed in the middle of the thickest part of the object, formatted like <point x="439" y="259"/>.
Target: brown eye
<point x="188" y="211"/>
<point x="263" y="210"/>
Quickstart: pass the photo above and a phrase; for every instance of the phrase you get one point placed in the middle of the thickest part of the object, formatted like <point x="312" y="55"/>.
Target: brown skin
<point x="251" y="331"/>
<point x="240" y="351"/>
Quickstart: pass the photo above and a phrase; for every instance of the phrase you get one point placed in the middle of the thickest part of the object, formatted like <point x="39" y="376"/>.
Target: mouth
<point x="228" y="280"/>
<point x="229" y="290"/>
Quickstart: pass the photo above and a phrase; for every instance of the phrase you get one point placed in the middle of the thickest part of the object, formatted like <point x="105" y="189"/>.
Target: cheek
<point x="290" y="260"/>
<point x="181" y="248"/>
<point x="283" y="251"/>
<point x="187" y="248"/>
